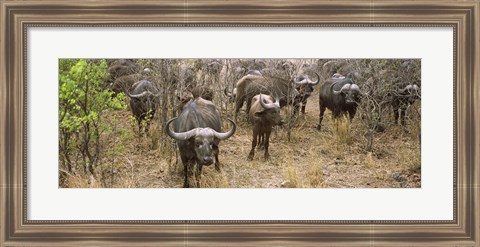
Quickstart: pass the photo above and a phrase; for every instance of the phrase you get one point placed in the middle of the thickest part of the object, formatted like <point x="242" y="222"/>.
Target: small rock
<point x="285" y="184"/>
<point x="397" y="177"/>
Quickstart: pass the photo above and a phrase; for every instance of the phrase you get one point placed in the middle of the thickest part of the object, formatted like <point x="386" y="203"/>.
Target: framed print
<point x="311" y="123"/>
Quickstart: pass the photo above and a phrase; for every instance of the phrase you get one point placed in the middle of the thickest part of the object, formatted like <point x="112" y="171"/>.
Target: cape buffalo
<point x="243" y="67"/>
<point x="283" y="89"/>
<point x="340" y="95"/>
<point x="124" y="83"/>
<point x="187" y="95"/>
<point x="305" y="89"/>
<point x="404" y="96"/>
<point x="183" y="98"/>
<point x="143" y="102"/>
<point x="197" y="131"/>
<point x="122" y="67"/>
<point x="202" y="91"/>
<point x="251" y="85"/>
<point x="231" y="95"/>
<point x="264" y="114"/>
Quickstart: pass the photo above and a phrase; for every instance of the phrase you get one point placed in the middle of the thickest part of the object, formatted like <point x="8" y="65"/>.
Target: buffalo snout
<point x="207" y="160"/>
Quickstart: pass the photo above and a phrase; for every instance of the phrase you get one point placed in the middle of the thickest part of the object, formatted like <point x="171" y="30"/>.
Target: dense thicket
<point x="97" y="131"/>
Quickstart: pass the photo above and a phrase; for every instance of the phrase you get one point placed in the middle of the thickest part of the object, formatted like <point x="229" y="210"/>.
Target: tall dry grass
<point x="342" y="136"/>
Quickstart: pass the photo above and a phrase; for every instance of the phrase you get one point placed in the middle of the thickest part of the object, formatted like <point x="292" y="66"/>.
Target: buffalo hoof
<point x="267" y="157"/>
<point x="250" y="158"/>
<point x="319" y="127"/>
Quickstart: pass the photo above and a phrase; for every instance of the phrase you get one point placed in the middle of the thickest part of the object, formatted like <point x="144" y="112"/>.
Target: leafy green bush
<point x="83" y="101"/>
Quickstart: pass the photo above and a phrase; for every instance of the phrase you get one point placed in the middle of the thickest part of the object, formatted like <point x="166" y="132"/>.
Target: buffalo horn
<point x="408" y="87"/>
<point x="267" y="105"/>
<point x="145" y="93"/>
<point x="315" y="82"/>
<point x="345" y="87"/>
<point x="228" y="94"/>
<point x="302" y="82"/>
<point x="225" y="91"/>
<point x="338" y="76"/>
<point x="223" y="136"/>
<point x="182" y="136"/>
<point x="355" y="87"/>
<point x="140" y="95"/>
<point x="306" y="80"/>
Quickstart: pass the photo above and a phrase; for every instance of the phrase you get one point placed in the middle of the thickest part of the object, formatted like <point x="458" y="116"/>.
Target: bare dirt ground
<point x="311" y="158"/>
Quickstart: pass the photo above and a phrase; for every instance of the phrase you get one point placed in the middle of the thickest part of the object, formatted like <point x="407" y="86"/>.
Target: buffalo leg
<point x="139" y="121"/>
<point x="147" y="126"/>
<point x="238" y="105"/>
<point x="304" y="105"/>
<point x="267" y="142"/>
<point x="261" y="143"/>
<point x="322" y="112"/>
<point x="217" y="163"/>
<point x="403" y="111"/>
<point x="249" y="104"/>
<point x="254" y="143"/>
<point x="395" y="114"/>
<point x="188" y="165"/>
<point x="351" y="113"/>
<point x="187" y="172"/>
<point x="296" y="106"/>
<point x="198" y="174"/>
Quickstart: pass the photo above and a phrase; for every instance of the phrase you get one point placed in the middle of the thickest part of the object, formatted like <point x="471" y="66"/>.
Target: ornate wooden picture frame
<point x="17" y="16"/>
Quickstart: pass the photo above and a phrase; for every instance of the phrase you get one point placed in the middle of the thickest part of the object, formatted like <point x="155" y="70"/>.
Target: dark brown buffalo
<point x="339" y="66"/>
<point x="197" y="131"/>
<point x="124" y="83"/>
<point x="231" y="95"/>
<point x="143" y="102"/>
<point x="122" y="67"/>
<point x="242" y="68"/>
<point x="187" y="95"/>
<point x="279" y="87"/>
<point x="304" y="87"/>
<point x="124" y="73"/>
<point x="264" y="114"/>
<point x="340" y="95"/>
<point x="251" y="85"/>
<point x="202" y="91"/>
<point x="183" y="98"/>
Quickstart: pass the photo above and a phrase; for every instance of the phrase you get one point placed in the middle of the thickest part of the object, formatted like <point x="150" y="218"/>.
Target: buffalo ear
<point x="259" y="113"/>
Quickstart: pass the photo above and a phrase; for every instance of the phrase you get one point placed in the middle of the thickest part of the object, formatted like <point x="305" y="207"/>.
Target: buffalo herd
<point x="264" y="89"/>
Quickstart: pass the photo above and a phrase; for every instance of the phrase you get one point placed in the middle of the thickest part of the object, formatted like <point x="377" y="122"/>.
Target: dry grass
<point x="213" y="179"/>
<point x="315" y="176"/>
<point x="332" y="158"/>
<point x="342" y="136"/>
